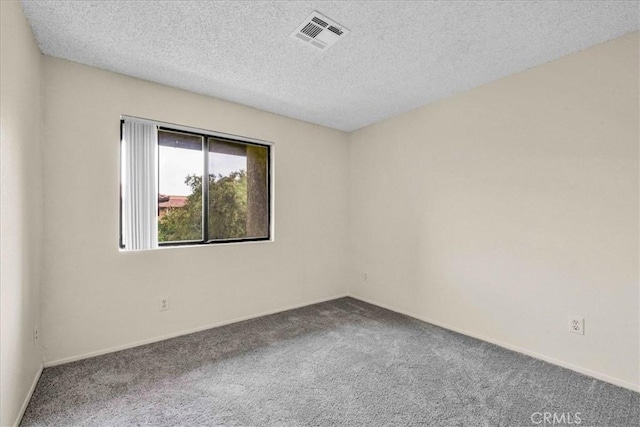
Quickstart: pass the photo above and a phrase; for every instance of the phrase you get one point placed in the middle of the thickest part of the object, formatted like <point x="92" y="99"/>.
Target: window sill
<point x="200" y="245"/>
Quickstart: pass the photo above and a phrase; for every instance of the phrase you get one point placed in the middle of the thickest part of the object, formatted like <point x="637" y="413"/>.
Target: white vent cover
<point x="319" y="31"/>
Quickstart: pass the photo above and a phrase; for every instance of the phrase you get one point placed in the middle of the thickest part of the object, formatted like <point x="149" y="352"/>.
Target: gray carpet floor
<point x="339" y="363"/>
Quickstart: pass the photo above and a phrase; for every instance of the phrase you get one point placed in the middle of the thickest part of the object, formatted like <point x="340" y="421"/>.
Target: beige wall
<point x="20" y="210"/>
<point x="503" y="210"/>
<point x="98" y="298"/>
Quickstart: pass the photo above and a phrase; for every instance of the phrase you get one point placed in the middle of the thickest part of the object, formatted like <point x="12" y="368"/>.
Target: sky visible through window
<point x="177" y="163"/>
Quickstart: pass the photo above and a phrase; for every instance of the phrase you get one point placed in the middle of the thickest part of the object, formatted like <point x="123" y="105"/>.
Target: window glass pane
<point x="180" y="186"/>
<point x="238" y="191"/>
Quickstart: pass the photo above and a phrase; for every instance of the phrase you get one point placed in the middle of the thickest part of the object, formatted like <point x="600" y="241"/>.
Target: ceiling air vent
<point x="319" y="31"/>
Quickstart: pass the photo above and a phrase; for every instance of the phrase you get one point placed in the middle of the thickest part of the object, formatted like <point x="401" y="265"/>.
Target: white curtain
<point x="139" y="185"/>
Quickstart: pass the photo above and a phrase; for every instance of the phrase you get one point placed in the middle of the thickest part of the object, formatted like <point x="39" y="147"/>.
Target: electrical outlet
<point x="576" y="325"/>
<point x="164" y="303"/>
<point x="36" y="334"/>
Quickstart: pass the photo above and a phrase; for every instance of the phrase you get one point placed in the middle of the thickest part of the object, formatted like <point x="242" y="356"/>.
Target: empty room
<point x="415" y="213"/>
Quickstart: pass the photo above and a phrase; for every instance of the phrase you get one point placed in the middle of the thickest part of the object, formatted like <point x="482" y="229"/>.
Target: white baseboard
<point x="28" y="397"/>
<point x="588" y="372"/>
<point x="598" y="375"/>
<point x="185" y="332"/>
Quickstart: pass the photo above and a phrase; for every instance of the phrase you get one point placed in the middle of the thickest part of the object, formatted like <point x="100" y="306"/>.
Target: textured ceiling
<point x="398" y="56"/>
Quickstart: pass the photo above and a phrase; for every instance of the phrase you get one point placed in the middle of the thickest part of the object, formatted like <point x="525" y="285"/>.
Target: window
<point x="232" y="204"/>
